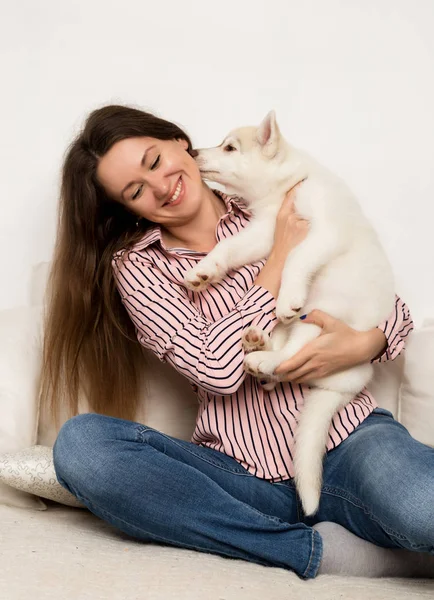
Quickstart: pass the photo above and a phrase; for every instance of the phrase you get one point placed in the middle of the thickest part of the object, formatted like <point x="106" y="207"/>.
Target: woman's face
<point x="155" y="179"/>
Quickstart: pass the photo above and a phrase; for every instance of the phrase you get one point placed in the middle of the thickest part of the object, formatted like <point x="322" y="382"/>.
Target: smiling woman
<point x="126" y="171"/>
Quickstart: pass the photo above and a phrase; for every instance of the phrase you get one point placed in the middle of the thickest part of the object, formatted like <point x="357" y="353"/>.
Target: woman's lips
<point x="180" y="196"/>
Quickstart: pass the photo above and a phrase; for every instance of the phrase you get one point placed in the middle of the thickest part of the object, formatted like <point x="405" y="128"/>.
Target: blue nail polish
<point x="303" y="317"/>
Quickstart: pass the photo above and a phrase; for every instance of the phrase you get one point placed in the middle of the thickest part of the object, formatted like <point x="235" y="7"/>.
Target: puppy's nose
<point x="194" y="153"/>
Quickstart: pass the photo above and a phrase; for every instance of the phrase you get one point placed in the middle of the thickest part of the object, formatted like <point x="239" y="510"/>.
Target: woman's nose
<point x="158" y="184"/>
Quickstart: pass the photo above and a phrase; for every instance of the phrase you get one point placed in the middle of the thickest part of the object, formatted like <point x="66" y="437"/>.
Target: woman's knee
<point x="73" y="443"/>
<point x="407" y="510"/>
<point x="415" y="514"/>
<point x="82" y="447"/>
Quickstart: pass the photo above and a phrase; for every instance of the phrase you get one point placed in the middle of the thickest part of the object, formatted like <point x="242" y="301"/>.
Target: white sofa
<point x="52" y="551"/>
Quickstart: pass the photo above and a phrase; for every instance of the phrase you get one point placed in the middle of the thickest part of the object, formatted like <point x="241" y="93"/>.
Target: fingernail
<point x="303" y="317"/>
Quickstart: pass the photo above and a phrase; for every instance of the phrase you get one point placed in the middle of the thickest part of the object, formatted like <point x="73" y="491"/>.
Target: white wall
<point x="351" y="80"/>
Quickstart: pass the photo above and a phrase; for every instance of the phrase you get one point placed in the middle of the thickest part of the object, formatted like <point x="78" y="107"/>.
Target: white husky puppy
<point x="340" y="268"/>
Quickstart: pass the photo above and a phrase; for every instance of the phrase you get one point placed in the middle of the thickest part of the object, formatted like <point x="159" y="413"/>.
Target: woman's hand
<point x="337" y="348"/>
<point x="290" y="228"/>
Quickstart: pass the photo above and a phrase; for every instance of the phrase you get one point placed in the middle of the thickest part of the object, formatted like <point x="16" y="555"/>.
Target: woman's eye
<point x="156" y="162"/>
<point x="136" y="194"/>
<point x="229" y="148"/>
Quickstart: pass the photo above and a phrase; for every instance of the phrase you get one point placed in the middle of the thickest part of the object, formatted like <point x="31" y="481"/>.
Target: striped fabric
<point x="199" y="334"/>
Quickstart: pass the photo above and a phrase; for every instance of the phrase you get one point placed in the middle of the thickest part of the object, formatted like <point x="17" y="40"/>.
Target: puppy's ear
<point x="268" y="135"/>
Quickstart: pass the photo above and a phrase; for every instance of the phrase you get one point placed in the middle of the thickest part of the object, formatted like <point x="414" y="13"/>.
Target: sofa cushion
<point x="417" y="389"/>
<point x="386" y="382"/>
<point x="32" y="470"/>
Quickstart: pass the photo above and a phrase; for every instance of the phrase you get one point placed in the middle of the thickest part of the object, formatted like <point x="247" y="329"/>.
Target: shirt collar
<point x="153" y="234"/>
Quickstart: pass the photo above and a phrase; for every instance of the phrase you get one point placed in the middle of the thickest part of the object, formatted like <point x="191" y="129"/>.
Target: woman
<point x="135" y="215"/>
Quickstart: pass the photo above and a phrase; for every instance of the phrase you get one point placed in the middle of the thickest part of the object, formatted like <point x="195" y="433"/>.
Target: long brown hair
<point x="90" y="346"/>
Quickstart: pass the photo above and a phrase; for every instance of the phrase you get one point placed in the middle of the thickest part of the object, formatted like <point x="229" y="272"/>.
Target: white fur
<point x="339" y="268"/>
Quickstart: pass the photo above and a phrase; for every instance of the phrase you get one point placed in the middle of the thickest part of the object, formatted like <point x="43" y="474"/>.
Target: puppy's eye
<point x="229" y="148"/>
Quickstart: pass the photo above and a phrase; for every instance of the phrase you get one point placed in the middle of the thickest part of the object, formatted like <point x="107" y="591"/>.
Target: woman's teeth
<point x="176" y="194"/>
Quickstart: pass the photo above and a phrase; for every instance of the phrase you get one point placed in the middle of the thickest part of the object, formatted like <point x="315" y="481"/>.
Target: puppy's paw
<point x="262" y="365"/>
<point x="289" y="306"/>
<point x="255" y="339"/>
<point x="288" y="315"/>
<point x="203" y="274"/>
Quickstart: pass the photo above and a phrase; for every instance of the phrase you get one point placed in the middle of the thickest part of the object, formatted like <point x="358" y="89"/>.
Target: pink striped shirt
<point x="200" y="334"/>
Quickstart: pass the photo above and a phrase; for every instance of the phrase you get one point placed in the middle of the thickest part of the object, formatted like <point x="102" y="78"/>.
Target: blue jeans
<point x="378" y="483"/>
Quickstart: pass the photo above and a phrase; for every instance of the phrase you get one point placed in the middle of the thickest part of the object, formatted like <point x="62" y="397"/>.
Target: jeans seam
<point x="142" y="428"/>
<point x="312" y="550"/>
<point x="358" y="504"/>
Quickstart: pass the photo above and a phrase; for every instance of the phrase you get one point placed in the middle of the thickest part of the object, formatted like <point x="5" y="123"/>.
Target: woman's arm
<point x="210" y="354"/>
<point x="340" y="347"/>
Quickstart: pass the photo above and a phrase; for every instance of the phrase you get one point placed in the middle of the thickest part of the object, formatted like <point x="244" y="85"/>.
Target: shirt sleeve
<point x="396" y="328"/>
<point x="208" y="353"/>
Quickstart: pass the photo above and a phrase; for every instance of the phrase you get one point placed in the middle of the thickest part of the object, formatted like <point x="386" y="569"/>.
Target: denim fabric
<point x="378" y="483"/>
